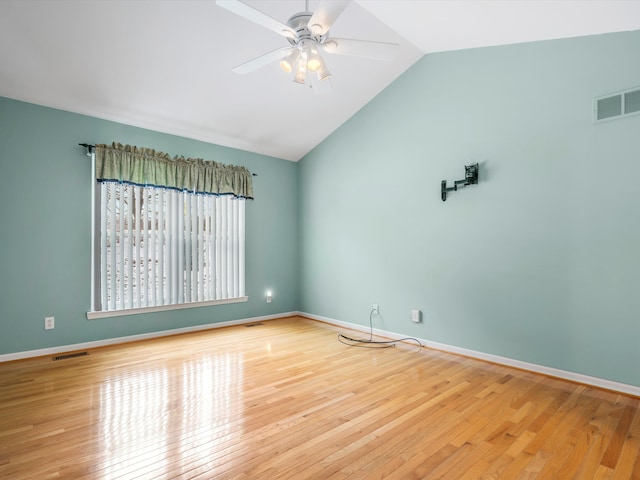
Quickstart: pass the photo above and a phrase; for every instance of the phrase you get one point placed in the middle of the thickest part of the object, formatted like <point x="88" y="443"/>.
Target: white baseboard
<point x="532" y="367"/>
<point x="134" y="338"/>
<point x="510" y="362"/>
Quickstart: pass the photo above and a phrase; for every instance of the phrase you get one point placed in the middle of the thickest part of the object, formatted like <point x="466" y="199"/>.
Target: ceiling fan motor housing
<point x="300" y="24"/>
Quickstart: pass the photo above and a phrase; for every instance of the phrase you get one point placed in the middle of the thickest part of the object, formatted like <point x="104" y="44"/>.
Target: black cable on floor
<point x="370" y="342"/>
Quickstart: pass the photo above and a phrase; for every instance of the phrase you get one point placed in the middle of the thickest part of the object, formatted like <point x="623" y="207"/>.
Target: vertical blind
<point x="160" y="245"/>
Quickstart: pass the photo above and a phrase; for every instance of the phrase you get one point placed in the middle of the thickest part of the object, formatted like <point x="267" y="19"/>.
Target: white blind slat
<point x="128" y="248"/>
<point x="113" y="264"/>
<point x="144" y="255"/>
<point x="173" y="271"/>
<point x="218" y="248"/>
<point x="104" y="305"/>
<point x="120" y="254"/>
<point x="224" y="246"/>
<point x="241" y="248"/>
<point x="201" y="247"/>
<point x="137" y="227"/>
<point x="211" y="205"/>
<point x="181" y="257"/>
<point x="187" y="249"/>
<point x="160" y="254"/>
<point x="235" y="279"/>
<point x="153" y="248"/>
<point x="229" y="249"/>
<point x="194" y="248"/>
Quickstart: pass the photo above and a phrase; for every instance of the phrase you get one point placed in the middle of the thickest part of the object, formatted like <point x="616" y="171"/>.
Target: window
<point x="161" y="246"/>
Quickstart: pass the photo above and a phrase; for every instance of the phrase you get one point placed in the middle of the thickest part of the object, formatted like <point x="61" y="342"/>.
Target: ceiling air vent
<point x="617" y="105"/>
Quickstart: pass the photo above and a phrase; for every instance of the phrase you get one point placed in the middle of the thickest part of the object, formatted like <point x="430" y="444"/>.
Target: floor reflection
<point x="169" y="415"/>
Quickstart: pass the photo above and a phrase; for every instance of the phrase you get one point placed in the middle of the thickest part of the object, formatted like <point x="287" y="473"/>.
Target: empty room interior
<point x="321" y="239"/>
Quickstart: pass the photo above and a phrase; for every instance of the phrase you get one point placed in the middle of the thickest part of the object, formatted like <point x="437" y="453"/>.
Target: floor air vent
<point x="253" y="324"/>
<point x="70" y="355"/>
<point x="617" y="105"/>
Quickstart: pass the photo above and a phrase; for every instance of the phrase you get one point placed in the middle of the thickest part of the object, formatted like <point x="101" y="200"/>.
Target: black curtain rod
<point x="90" y="147"/>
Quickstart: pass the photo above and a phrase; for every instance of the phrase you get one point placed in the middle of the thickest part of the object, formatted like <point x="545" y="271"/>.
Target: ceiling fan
<point x="308" y="35"/>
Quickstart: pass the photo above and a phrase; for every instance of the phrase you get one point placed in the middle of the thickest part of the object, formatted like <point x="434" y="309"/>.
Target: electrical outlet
<point x="415" y="316"/>
<point x="49" y="323"/>
<point x="375" y="308"/>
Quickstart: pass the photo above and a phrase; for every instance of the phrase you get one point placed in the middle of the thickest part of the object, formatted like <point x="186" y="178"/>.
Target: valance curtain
<point x="147" y="167"/>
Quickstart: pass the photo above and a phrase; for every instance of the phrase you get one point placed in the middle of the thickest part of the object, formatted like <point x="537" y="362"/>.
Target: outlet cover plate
<point x="415" y="316"/>
<point x="49" y="323"/>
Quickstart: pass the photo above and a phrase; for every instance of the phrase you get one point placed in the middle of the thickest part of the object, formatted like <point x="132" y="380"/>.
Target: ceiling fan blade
<point x="324" y="16"/>
<point x="263" y="60"/>
<point x="257" y="16"/>
<point x="360" y="48"/>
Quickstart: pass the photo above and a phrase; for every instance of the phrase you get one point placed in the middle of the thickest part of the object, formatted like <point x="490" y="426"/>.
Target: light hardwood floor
<point x="285" y="399"/>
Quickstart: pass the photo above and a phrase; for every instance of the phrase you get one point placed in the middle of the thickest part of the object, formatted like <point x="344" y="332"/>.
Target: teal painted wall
<point x="45" y="241"/>
<point x="540" y="261"/>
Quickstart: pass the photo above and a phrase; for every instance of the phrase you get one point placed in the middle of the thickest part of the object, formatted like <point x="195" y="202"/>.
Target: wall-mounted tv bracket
<point x="470" y="178"/>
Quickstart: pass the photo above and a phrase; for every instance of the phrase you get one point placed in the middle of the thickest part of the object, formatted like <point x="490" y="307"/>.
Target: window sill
<point x="162" y="308"/>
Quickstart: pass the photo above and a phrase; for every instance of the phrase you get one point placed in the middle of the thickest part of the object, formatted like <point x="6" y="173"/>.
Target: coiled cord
<point x="370" y="342"/>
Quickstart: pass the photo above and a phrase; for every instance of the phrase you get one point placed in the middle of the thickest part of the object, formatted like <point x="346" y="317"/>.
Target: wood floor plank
<point x="286" y="400"/>
<point x="612" y="454"/>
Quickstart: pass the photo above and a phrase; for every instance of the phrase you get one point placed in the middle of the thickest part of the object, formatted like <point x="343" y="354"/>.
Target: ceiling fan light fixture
<point x="301" y="70"/>
<point x="330" y="46"/>
<point x="323" y="72"/>
<point x="316" y="29"/>
<point x="288" y="63"/>
<point x="314" y="62"/>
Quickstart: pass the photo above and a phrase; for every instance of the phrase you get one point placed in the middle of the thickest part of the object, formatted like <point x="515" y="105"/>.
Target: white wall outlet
<point x="415" y="316"/>
<point x="49" y="323"/>
<point x="375" y="308"/>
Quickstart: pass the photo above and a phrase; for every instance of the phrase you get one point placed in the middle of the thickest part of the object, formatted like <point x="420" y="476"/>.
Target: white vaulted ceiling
<point x="166" y="65"/>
